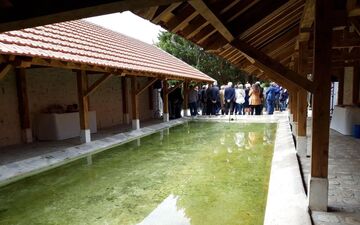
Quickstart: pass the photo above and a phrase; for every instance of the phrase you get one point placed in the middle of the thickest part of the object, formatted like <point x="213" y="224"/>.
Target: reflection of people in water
<point x="268" y="135"/>
<point x="240" y="139"/>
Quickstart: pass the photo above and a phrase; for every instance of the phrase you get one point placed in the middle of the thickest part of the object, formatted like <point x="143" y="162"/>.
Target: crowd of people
<point x="239" y="99"/>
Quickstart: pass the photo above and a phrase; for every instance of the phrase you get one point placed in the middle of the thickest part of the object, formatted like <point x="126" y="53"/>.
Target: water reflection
<point x="167" y="213"/>
<point x="89" y="160"/>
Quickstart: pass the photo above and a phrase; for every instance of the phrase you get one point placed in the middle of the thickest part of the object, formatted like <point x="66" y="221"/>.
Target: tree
<point x="210" y="64"/>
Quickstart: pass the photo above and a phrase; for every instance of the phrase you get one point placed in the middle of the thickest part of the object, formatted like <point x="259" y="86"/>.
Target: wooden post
<point x="151" y="96"/>
<point x="301" y="139"/>
<point x="83" y="102"/>
<point x="186" y="98"/>
<point x="318" y="184"/>
<point x="23" y="101"/>
<point x="166" y="101"/>
<point x="356" y="81"/>
<point x="341" y="89"/>
<point x="294" y="105"/>
<point x="124" y="93"/>
<point x="135" y="105"/>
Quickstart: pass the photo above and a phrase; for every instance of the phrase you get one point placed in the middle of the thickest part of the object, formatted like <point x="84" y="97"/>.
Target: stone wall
<point x="48" y="86"/>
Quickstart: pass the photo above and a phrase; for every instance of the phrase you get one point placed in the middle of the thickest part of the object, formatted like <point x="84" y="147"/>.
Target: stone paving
<point x="344" y="181"/>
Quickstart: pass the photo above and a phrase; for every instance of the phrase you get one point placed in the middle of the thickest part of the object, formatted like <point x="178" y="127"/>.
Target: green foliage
<point x="212" y="65"/>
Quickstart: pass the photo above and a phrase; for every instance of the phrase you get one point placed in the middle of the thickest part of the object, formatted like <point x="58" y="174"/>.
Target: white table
<point x="53" y="126"/>
<point x="344" y="119"/>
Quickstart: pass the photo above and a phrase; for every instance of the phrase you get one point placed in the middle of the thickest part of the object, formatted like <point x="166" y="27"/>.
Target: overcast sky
<point x="129" y="24"/>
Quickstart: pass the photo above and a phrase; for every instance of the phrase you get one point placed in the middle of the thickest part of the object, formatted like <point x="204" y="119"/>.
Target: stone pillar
<point x="318" y="193"/>
<point x="166" y="117"/>
<point x="135" y="124"/>
<point x="85" y="136"/>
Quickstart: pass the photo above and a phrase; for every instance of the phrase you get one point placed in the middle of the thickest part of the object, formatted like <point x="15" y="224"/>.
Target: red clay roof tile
<point x="83" y="42"/>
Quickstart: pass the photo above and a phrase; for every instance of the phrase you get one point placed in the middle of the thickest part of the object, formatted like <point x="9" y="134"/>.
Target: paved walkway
<point x="344" y="181"/>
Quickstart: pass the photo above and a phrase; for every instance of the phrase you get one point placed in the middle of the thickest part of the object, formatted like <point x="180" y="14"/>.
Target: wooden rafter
<point x="151" y="12"/>
<point x="263" y="60"/>
<point x="170" y="8"/>
<point x="19" y="16"/>
<point x="356" y="25"/>
<point x="204" y="10"/>
<point x="283" y="14"/>
<point x="181" y="23"/>
<point x="97" y="84"/>
<point x="307" y="18"/>
<point x="4" y="70"/>
<point x="147" y="85"/>
<point x="174" y="88"/>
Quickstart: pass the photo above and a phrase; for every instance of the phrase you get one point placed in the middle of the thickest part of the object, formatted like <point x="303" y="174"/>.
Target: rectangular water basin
<point x="196" y="173"/>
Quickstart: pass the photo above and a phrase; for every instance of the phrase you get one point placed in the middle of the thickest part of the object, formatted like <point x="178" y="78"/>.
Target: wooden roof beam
<point x="173" y="88"/>
<point x="356" y="25"/>
<point x="204" y="10"/>
<point x="169" y="9"/>
<point x="22" y="14"/>
<point x="97" y="84"/>
<point x="176" y="24"/>
<point x="264" y="61"/>
<point x="4" y="70"/>
<point x="147" y="85"/>
<point x="308" y="16"/>
<point x="261" y="58"/>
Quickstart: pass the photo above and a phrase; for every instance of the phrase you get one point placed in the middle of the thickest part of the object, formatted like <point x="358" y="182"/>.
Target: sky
<point x="129" y="24"/>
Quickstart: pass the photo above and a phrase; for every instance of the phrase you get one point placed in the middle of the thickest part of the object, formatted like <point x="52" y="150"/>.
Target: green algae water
<point x="200" y="173"/>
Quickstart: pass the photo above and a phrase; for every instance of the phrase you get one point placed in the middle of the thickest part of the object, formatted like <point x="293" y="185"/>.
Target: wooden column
<point x="124" y="93"/>
<point x="135" y="105"/>
<point x="23" y="102"/>
<point x="302" y="94"/>
<point x="356" y="82"/>
<point x="83" y="102"/>
<point x="341" y="89"/>
<point x="294" y="105"/>
<point x="186" y="98"/>
<point x="318" y="185"/>
<point x="165" y="101"/>
<point x="151" y="97"/>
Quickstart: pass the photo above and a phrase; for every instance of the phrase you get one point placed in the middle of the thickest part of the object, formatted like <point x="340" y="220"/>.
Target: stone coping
<point x="286" y="202"/>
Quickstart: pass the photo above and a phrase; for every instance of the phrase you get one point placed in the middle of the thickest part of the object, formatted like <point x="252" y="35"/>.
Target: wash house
<point x="100" y="78"/>
<point x="303" y="45"/>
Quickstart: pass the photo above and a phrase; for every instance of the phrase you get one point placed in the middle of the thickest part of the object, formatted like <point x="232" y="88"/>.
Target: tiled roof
<point x="83" y="42"/>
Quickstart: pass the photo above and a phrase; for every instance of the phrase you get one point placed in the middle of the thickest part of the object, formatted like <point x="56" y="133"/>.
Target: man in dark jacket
<point x="229" y="96"/>
<point x="214" y="98"/>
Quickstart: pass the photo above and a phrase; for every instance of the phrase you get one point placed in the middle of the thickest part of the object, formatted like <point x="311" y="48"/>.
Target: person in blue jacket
<point x="271" y="93"/>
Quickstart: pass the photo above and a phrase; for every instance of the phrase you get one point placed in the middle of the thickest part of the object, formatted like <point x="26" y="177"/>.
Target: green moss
<point x="219" y="171"/>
